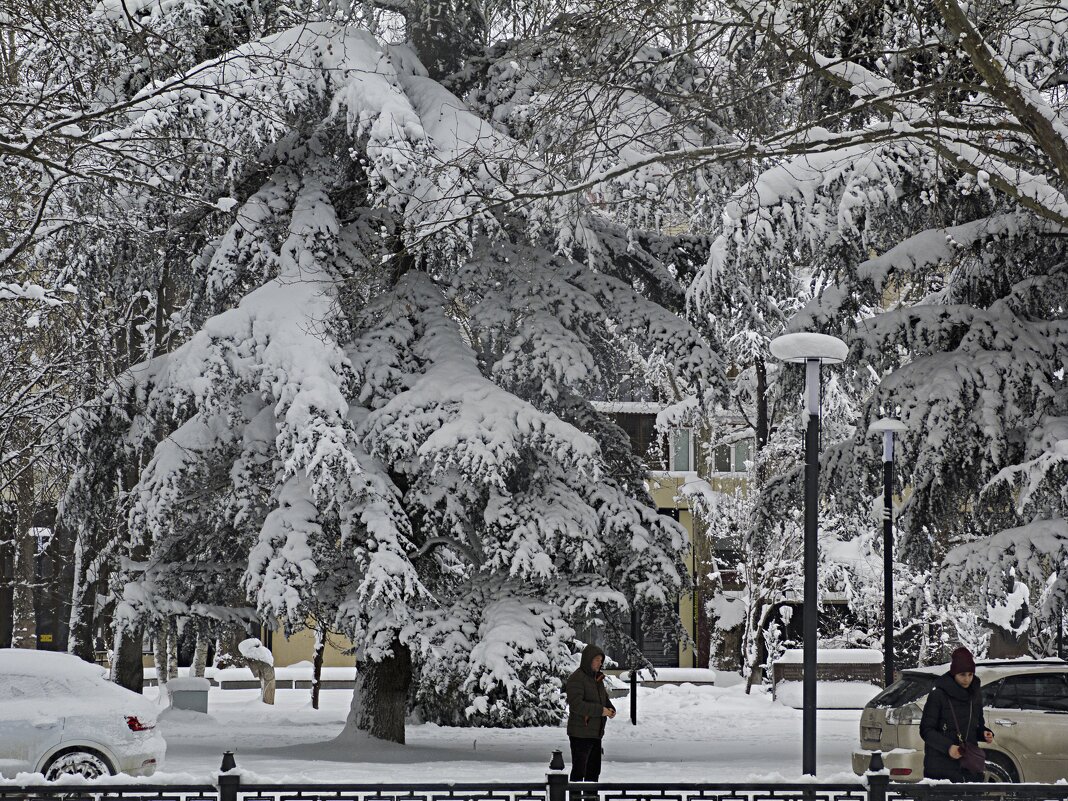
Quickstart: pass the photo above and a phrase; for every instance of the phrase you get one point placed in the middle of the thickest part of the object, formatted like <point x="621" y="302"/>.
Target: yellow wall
<point x="666" y="492"/>
<point x="300" y="647"/>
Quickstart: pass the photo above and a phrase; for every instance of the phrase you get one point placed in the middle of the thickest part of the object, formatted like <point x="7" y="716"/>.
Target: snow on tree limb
<point x="1037" y="552"/>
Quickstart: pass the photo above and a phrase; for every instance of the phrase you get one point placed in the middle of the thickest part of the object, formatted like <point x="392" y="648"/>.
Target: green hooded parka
<point x="587" y="698"/>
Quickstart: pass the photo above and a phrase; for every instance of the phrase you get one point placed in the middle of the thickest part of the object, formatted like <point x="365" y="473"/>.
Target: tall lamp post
<point x="812" y="350"/>
<point x="887" y="426"/>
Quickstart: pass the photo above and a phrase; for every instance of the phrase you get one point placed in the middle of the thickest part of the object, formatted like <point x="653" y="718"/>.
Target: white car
<point x="60" y="715"/>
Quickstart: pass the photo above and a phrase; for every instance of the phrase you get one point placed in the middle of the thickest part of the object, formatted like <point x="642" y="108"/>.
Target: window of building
<point x="681" y="452"/>
<point x="742" y="452"/>
<point x="722" y="460"/>
<point x="731" y="457"/>
<point x="641" y="429"/>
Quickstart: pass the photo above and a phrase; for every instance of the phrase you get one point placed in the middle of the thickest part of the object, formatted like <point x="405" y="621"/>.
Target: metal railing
<point x="881" y="789"/>
<point x="556" y="787"/>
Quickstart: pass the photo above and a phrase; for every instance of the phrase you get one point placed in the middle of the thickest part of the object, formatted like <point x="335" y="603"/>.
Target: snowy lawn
<point x="684" y="733"/>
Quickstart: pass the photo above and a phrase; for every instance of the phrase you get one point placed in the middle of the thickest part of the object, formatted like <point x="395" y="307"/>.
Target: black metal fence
<point x="880" y="789"/>
<point x="229" y="787"/>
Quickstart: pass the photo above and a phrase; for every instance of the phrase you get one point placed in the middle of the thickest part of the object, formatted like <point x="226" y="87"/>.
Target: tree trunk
<point x="264" y="673"/>
<point x="83" y="600"/>
<point x="161" y="655"/>
<point x="200" y="655"/>
<point x="444" y="33"/>
<point x="381" y="698"/>
<point x="172" y="649"/>
<point x="762" y="429"/>
<point x="758" y="649"/>
<point x="317" y="663"/>
<point x="8" y="52"/>
<point x="1006" y="644"/>
<point x="267" y="684"/>
<point x="127" y="667"/>
<point x="227" y="654"/>
<point x="23" y="616"/>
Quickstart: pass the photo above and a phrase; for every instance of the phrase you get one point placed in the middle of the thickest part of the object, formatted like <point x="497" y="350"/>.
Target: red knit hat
<point x="962" y="662"/>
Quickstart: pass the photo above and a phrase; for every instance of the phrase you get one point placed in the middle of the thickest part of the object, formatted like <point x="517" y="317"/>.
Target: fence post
<point x="878" y="778"/>
<point x="557" y="786"/>
<point x="229" y="783"/>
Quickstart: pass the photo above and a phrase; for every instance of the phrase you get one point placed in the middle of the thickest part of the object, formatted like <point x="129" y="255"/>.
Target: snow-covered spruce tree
<point x="382" y="413"/>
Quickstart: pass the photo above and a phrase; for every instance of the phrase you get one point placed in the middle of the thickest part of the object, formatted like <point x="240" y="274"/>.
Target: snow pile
<point x="825" y="656"/>
<point x="253" y="650"/>
<point x="672" y="676"/>
<point x="829" y="694"/>
<point x="724" y="736"/>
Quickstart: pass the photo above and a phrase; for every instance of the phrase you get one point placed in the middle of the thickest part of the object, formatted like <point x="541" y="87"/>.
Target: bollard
<point x="229" y="783"/>
<point x="556" y="779"/>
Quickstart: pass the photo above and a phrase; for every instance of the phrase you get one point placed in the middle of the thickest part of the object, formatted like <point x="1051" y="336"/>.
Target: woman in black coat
<point x="952" y="716"/>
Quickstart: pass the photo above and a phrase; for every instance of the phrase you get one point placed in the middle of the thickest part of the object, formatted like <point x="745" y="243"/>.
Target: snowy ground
<point x="684" y="733"/>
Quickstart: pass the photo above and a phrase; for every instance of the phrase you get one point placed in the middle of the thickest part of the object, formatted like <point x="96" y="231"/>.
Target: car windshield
<point x="910" y="687"/>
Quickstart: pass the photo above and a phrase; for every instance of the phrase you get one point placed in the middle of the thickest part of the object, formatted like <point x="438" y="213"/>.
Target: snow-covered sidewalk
<point x="684" y="733"/>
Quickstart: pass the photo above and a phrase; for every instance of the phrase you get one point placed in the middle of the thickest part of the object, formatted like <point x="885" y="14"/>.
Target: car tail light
<point x="905" y="715"/>
<point x="900" y="771"/>
<point x="136" y="725"/>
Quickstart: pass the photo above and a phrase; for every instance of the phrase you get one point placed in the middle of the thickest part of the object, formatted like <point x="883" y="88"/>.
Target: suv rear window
<point x="910" y="687"/>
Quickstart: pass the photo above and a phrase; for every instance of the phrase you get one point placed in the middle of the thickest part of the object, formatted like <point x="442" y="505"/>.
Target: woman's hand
<point x="955" y="752"/>
<point x="608" y="712"/>
<point x="988" y="736"/>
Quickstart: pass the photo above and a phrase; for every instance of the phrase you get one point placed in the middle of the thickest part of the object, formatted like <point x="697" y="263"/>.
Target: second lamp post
<point x="813" y="350"/>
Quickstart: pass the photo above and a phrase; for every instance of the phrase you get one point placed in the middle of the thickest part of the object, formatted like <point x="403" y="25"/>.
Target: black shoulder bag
<point x="972" y="758"/>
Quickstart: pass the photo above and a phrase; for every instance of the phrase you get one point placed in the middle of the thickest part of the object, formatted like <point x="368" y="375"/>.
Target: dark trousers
<point x="585" y="759"/>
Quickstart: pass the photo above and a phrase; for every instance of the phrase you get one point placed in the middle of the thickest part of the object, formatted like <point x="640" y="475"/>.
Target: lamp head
<point x="802" y="347"/>
<point x="885" y="424"/>
<point x="557" y="762"/>
<point x="228" y="762"/>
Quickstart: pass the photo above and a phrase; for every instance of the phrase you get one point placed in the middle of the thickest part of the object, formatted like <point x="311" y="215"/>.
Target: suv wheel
<point x="77" y="762"/>
<point x="997" y="772"/>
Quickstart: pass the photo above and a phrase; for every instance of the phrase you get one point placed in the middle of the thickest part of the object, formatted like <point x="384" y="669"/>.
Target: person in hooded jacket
<point x="953" y="715"/>
<point x="589" y="709"/>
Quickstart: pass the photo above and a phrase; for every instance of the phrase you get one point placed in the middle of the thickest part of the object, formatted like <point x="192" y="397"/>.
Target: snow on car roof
<point x="24" y="662"/>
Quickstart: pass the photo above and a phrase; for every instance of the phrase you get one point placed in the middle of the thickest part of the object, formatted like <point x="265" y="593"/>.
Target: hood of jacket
<point x="588" y="654"/>
<point x="949" y="685"/>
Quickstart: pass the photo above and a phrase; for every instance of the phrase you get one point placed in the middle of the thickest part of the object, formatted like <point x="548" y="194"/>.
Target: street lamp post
<point x="812" y="350"/>
<point x="888" y="427"/>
